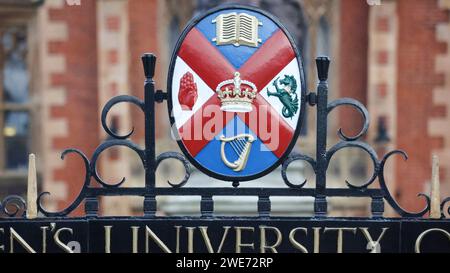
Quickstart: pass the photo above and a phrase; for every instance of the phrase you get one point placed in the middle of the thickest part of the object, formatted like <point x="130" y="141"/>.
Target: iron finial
<point x="149" y="62"/>
<point x="435" y="195"/>
<point x="323" y="63"/>
<point x="32" y="188"/>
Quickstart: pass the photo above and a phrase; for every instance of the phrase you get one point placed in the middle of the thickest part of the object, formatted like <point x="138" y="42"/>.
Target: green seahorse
<point x="287" y="95"/>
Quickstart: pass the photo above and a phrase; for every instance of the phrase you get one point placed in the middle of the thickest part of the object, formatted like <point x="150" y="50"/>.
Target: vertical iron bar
<point x="264" y="206"/>
<point x="377" y="206"/>
<point x="149" y="62"/>
<point x="207" y="206"/>
<point x="91" y="206"/>
<point x="320" y="202"/>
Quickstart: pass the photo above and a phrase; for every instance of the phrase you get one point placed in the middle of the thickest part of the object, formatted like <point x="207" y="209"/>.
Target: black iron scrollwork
<point x="13" y="206"/>
<point x="363" y="146"/>
<point x="356" y="104"/>
<point x="81" y="196"/>
<point x="106" y="145"/>
<point x="443" y="212"/>
<point x="289" y="160"/>
<point x="182" y="159"/>
<point x="388" y="196"/>
<point x="110" y="104"/>
<point x="351" y="142"/>
<point x="151" y="162"/>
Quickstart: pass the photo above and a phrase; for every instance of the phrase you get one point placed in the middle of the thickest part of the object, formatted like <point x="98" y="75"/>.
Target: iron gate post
<point x="149" y="62"/>
<point x="320" y="201"/>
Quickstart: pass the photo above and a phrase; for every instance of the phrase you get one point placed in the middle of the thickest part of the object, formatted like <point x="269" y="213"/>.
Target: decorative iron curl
<point x="387" y="195"/>
<point x="110" y="104"/>
<point x="182" y="159"/>
<point x="363" y="146"/>
<point x="18" y="204"/>
<point x="288" y="161"/>
<point x="446" y="200"/>
<point x="106" y="145"/>
<point x="80" y="196"/>
<point x="360" y="107"/>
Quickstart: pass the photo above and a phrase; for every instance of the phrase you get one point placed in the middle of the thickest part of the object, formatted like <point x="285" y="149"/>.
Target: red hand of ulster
<point x="187" y="95"/>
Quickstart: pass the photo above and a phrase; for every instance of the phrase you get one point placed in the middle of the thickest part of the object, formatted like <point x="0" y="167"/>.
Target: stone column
<point x="112" y="33"/>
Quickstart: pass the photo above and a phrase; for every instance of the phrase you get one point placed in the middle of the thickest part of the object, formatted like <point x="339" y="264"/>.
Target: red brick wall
<point x="80" y="82"/>
<point x="353" y="60"/>
<point x="417" y="49"/>
<point x="142" y="39"/>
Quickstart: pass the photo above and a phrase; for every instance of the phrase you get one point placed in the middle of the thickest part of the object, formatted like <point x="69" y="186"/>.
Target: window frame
<point x="11" y="16"/>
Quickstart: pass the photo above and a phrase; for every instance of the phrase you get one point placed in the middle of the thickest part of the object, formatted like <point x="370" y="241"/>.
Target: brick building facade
<point x="392" y="55"/>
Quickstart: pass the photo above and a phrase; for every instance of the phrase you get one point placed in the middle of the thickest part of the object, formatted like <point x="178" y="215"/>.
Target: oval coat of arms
<point x="236" y="93"/>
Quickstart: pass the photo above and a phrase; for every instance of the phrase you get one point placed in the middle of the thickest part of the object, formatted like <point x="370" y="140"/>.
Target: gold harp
<point x="241" y="145"/>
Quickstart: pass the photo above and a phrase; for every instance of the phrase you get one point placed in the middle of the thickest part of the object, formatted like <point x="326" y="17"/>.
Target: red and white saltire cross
<point x="210" y="65"/>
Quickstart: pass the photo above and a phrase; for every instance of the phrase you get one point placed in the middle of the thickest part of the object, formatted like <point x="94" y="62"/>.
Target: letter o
<point x="422" y="235"/>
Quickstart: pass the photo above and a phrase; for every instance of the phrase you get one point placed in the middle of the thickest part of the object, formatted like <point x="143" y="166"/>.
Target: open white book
<point x="237" y="29"/>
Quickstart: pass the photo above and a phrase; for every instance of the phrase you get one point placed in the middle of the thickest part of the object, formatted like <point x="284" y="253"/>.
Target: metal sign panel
<point x="239" y="235"/>
<point x="236" y="92"/>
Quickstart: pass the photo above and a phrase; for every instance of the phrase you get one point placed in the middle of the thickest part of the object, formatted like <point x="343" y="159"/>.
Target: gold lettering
<point x="422" y="235"/>
<point x="239" y="243"/>
<point x="151" y="234"/>
<point x="15" y="236"/>
<point x="204" y="232"/>
<point x="340" y="238"/>
<point x="58" y="241"/>
<point x="190" y="239"/>
<point x="373" y="246"/>
<point x="107" y="238"/>
<point x="317" y="239"/>
<point x="177" y="248"/>
<point x="263" y="242"/>
<point x="296" y="244"/>
<point x="44" y="239"/>
<point x="135" y="231"/>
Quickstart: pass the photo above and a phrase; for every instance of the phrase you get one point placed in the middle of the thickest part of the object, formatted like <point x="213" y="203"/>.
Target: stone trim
<point x="53" y="65"/>
<point x="382" y="76"/>
<point x="439" y="125"/>
<point x="113" y="80"/>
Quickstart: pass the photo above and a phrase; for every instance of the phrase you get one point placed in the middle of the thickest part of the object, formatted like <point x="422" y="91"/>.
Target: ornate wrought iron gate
<point x="91" y="192"/>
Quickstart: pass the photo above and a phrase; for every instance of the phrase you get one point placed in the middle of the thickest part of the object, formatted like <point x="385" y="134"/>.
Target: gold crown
<point x="236" y="95"/>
